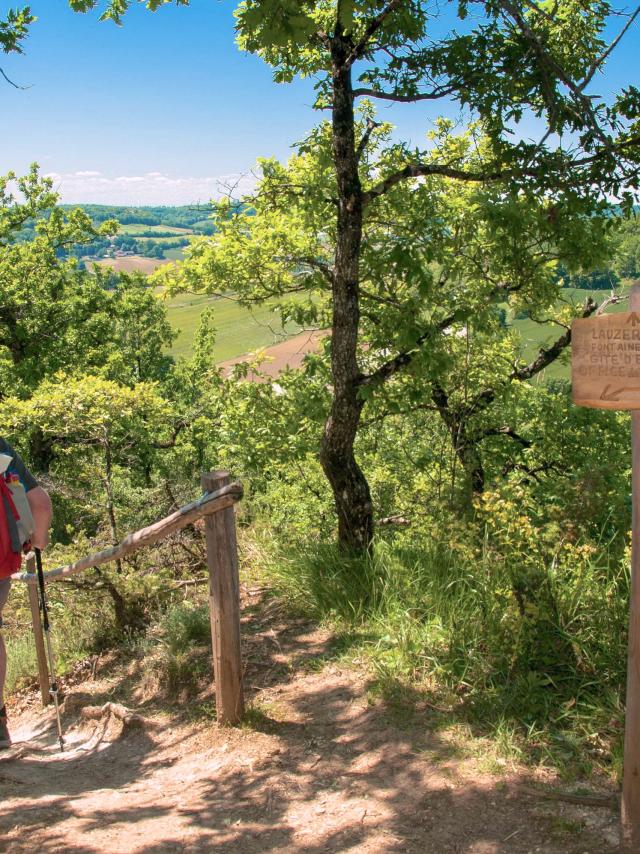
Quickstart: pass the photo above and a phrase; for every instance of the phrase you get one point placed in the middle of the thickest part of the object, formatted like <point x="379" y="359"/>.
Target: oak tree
<point x="500" y="62"/>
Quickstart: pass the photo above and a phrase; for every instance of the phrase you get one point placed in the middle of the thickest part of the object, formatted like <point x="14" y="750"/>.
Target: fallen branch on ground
<point x="608" y="801"/>
<point x="129" y="719"/>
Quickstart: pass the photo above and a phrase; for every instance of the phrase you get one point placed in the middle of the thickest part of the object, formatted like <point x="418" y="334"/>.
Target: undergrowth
<point x="448" y="625"/>
<point x="83" y="622"/>
<point x="78" y="626"/>
<point x="175" y="653"/>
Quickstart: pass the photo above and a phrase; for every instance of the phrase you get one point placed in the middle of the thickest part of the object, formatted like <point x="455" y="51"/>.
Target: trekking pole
<point x="53" y="688"/>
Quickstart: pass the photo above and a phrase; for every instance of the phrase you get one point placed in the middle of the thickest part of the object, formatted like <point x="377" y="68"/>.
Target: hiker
<point x="16" y="529"/>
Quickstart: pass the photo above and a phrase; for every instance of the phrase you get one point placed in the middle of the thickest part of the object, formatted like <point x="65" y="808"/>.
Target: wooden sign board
<point x="605" y="361"/>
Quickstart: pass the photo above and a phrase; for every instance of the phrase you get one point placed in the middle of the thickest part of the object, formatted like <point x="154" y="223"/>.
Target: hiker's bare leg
<point x="3" y="668"/>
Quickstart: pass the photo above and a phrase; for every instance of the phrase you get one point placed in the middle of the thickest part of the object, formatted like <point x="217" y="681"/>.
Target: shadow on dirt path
<point x="316" y="768"/>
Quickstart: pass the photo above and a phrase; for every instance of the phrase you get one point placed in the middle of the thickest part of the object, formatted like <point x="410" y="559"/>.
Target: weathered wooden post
<point x="605" y="374"/>
<point x="43" y="670"/>
<point x="224" y="604"/>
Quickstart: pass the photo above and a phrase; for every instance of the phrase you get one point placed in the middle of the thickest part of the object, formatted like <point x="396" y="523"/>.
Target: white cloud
<point x="152" y="188"/>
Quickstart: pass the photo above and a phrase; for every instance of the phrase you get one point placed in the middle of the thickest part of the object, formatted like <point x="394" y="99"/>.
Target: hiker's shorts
<point x="5" y="587"/>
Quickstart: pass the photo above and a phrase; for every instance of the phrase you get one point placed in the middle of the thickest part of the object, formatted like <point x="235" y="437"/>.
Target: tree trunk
<point x="41" y="451"/>
<point x="350" y="488"/>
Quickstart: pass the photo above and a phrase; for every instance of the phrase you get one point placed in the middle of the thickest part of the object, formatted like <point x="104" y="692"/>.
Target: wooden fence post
<point x="224" y="604"/>
<point x="38" y="636"/>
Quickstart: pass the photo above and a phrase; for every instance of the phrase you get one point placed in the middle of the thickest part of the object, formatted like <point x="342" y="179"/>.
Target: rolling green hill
<point x="241" y="330"/>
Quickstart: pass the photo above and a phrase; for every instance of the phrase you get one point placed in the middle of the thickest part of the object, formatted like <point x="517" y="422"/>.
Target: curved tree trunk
<point x="350" y="488"/>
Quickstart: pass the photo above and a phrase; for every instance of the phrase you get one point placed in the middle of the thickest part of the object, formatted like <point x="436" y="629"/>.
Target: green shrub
<point x="176" y="654"/>
<point x="184" y="626"/>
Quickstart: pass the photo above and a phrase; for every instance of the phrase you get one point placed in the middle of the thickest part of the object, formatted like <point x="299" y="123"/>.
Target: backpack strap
<point x="8" y="496"/>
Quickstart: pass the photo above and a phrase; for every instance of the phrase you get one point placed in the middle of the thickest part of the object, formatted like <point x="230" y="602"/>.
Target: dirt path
<point x="317" y="768"/>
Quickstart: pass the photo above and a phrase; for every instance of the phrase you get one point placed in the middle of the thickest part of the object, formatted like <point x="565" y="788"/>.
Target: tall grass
<point x="445" y="621"/>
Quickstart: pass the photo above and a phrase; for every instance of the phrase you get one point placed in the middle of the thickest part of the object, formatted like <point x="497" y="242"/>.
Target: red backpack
<point x="9" y="559"/>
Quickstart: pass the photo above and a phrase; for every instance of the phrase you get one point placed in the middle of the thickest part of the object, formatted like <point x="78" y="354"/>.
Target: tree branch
<point x="444" y="170"/>
<point x="546" y="62"/>
<point x="10" y="81"/>
<point x="422" y="170"/>
<point x="178" y="427"/>
<point x="366" y="136"/>
<point x="595" y="65"/>
<point x="371" y="29"/>
<point x="547" y="355"/>
<point x="404" y="99"/>
<point x="388" y="369"/>
<point x="533" y="472"/>
<point x="507" y="431"/>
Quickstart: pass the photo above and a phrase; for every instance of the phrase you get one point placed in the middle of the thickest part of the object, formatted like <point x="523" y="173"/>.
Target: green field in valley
<point x="175" y="254"/>
<point x="141" y="228"/>
<point x="239" y="330"/>
<point x="144" y="241"/>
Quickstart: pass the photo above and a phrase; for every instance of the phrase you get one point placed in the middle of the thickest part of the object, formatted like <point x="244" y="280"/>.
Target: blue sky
<point x="167" y="98"/>
<point x="162" y="110"/>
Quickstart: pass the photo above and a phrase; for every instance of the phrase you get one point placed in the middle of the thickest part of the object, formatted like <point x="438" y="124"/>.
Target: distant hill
<point x="148" y="237"/>
<point x="192" y="217"/>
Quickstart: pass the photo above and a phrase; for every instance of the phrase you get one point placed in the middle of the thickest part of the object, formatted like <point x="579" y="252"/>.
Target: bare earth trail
<point x="318" y="768"/>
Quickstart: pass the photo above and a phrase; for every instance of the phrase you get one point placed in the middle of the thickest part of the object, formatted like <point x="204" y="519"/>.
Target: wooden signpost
<point x="605" y="374"/>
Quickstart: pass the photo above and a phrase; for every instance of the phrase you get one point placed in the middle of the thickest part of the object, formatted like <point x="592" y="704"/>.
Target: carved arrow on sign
<point x="615" y="394"/>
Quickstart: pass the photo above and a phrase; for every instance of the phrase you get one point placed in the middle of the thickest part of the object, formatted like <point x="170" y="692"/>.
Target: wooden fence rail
<point x="216" y="507"/>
